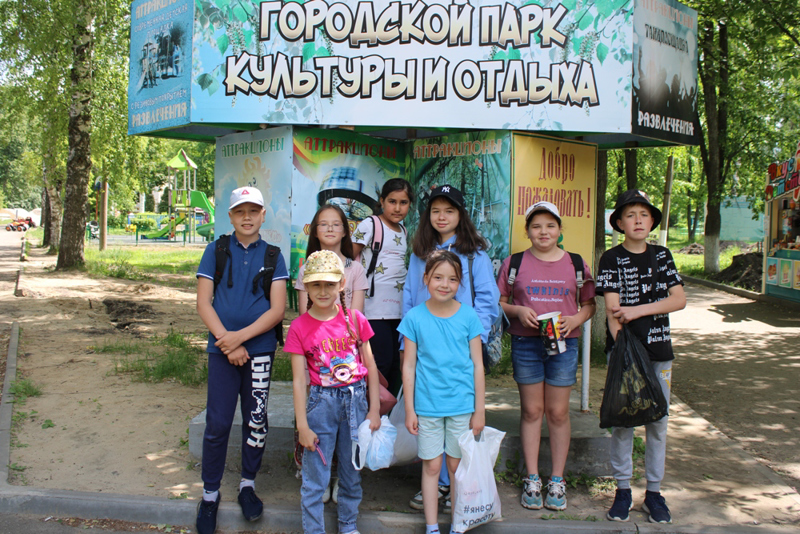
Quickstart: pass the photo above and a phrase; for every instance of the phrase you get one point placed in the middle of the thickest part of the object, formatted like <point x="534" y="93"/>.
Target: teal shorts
<point x="437" y="434"/>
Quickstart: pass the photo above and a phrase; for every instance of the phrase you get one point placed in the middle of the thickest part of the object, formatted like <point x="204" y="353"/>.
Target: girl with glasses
<point x="329" y="230"/>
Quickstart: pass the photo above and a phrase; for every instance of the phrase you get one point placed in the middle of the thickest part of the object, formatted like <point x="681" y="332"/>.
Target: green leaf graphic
<point x="222" y="43"/>
<point x="240" y="13"/>
<point x="602" y="52"/>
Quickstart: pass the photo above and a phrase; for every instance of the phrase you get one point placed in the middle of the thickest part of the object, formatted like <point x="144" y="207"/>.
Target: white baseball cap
<point x="549" y="207"/>
<point x="246" y="194"/>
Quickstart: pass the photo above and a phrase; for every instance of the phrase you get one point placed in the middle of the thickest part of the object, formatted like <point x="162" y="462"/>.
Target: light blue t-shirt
<point x="445" y="379"/>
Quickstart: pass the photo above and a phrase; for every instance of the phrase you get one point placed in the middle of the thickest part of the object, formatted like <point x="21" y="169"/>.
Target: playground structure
<point x="184" y="203"/>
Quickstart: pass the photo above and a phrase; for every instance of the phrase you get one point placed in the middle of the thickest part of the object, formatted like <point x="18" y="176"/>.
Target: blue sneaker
<point x="532" y="493"/>
<point x="207" y="516"/>
<point x="252" y="507"/>
<point x="620" y="510"/>
<point x="656" y="506"/>
<point x="556" y="494"/>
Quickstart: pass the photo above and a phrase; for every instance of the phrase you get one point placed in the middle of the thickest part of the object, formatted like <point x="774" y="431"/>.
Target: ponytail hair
<point x="346" y="312"/>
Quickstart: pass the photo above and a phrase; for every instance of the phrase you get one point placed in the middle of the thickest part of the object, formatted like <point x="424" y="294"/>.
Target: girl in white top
<point x="384" y="299"/>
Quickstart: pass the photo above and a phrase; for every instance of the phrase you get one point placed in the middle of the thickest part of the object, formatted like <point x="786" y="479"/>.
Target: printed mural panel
<point x="796" y="282"/>
<point x="342" y="168"/>
<point x="561" y="172"/>
<point x="483" y="64"/>
<point x="161" y="65"/>
<point x="785" y="273"/>
<point x="772" y="271"/>
<point x="665" y="71"/>
<point x="261" y="159"/>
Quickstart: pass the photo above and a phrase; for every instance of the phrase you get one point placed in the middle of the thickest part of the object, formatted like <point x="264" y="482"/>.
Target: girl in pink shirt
<point x="328" y="340"/>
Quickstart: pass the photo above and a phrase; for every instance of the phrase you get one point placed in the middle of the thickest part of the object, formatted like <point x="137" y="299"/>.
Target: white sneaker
<point x="326" y="495"/>
<point x="335" y="491"/>
<point x="416" y="501"/>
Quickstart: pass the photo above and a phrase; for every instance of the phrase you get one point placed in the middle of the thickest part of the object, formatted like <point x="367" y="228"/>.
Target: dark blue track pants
<point x="226" y="383"/>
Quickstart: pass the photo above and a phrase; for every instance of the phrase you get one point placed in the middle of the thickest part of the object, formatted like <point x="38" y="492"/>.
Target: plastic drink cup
<point x="550" y="333"/>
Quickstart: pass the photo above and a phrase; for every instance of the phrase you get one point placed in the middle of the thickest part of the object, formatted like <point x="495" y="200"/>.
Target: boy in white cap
<point x="641" y="286"/>
<point x="241" y="316"/>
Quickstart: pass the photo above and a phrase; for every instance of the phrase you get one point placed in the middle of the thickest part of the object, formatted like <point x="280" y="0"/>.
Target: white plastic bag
<point x="374" y="450"/>
<point x="476" y="501"/>
<point x="405" y="445"/>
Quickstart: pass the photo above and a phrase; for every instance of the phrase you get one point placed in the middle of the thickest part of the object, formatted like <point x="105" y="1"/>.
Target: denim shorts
<point x="532" y="364"/>
<point x="437" y="434"/>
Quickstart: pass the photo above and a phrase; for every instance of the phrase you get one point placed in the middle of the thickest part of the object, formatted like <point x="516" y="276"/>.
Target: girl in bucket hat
<point x="329" y="340"/>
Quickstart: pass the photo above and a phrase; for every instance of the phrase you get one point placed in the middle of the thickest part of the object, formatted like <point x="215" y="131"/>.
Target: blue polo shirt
<point x="237" y="306"/>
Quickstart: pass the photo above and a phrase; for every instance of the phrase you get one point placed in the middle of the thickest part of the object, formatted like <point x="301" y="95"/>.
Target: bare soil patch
<point x="745" y="271"/>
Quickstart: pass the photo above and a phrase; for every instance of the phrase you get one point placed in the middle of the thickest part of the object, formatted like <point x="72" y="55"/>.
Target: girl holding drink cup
<point x="543" y="294"/>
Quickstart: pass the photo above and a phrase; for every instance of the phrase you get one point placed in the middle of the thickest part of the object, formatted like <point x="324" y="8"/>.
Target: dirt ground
<point x="97" y="431"/>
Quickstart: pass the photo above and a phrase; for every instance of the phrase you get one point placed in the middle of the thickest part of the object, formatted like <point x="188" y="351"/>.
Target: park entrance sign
<point x="613" y="72"/>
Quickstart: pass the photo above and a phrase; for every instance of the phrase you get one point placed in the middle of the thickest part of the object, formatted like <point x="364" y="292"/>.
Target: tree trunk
<point x="599" y="320"/>
<point x="45" y="219"/>
<point x="631" y="169"/>
<point x="689" y="226"/>
<point x="52" y="228"/>
<point x="715" y="88"/>
<point x="79" y="161"/>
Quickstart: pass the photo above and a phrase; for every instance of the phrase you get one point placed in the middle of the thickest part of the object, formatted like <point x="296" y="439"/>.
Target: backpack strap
<point x="377" y="245"/>
<point x="577" y="263"/>
<point x="222" y="252"/>
<point x="470" y="259"/>
<point x="513" y="270"/>
<point x="265" y="275"/>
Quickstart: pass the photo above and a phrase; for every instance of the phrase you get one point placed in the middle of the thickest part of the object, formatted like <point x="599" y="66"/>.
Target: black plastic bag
<point x="632" y="396"/>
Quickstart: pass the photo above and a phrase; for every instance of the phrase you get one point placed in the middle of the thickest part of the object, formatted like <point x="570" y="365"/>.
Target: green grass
<point x="144" y="262"/>
<point x="281" y="366"/>
<point x="22" y="389"/>
<point x="171" y="358"/>
<point x="503" y="367"/>
<point x="692" y="264"/>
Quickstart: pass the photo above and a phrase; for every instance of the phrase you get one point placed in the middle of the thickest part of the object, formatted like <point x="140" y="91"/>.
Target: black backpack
<point x="222" y="253"/>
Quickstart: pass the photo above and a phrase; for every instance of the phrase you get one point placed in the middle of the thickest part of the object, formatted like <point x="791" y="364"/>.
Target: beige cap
<point x="323" y="266"/>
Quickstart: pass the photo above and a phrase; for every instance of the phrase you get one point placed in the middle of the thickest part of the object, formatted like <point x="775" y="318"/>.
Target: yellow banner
<point x="558" y="171"/>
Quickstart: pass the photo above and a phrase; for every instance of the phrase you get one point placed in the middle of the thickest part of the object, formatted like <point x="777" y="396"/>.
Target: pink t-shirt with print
<point x="332" y="356"/>
<point x="545" y="286"/>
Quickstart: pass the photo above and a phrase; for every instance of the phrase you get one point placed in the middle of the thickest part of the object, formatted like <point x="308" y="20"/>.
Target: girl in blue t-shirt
<point x="443" y="379"/>
<point x="446" y="225"/>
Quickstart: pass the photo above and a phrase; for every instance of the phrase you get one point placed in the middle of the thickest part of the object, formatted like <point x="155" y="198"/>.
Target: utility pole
<point x="103" y="214"/>
<point x="662" y="236"/>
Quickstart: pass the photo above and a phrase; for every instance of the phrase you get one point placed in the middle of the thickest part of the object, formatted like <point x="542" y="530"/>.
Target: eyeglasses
<point x="336" y="227"/>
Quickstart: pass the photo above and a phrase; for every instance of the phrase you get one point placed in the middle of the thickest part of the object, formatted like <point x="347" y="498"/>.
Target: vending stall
<point x="782" y="234"/>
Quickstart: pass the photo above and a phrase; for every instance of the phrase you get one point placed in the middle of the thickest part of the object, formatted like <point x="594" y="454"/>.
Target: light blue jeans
<point x="334" y="415"/>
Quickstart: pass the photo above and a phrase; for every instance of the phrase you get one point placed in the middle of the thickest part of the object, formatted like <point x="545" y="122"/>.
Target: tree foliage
<point x="749" y="54"/>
